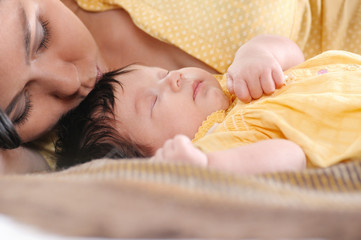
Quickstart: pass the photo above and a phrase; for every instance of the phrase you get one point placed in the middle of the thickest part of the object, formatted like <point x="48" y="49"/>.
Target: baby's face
<point x="155" y="105"/>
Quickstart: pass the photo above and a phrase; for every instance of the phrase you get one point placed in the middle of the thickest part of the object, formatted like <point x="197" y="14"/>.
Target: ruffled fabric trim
<point x="213" y="119"/>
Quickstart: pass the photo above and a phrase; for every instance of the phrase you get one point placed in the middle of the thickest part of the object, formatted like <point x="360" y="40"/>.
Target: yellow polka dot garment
<point x="319" y="108"/>
<point x="213" y="30"/>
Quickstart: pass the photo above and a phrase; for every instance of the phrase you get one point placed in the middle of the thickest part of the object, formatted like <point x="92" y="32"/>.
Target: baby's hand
<point x="253" y="74"/>
<point x="180" y="149"/>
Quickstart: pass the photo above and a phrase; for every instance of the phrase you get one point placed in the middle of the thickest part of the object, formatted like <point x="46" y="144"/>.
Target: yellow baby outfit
<point x="319" y="108"/>
<point x="213" y="30"/>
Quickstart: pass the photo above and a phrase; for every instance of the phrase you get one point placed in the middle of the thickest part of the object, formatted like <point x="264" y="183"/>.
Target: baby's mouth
<point x="196" y="88"/>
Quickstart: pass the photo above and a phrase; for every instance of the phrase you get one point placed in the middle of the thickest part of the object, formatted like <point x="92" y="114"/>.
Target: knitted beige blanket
<point x="137" y="199"/>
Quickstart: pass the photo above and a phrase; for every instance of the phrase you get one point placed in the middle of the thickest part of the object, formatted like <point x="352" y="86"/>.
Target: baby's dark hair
<point x="87" y="132"/>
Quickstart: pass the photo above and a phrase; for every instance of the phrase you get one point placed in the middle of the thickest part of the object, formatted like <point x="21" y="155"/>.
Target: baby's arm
<point x="264" y="156"/>
<point x="259" y="64"/>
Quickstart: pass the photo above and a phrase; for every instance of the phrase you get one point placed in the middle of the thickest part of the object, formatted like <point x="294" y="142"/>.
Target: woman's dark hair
<point x="87" y="132"/>
<point x="9" y="138"/>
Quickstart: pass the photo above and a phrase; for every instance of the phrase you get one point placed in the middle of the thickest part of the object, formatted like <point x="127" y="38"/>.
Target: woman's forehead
<point x="10" y="6"/>
<point x="14" y="38"/>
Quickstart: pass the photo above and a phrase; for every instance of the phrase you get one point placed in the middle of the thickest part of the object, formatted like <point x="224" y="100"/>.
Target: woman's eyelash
<point x="25" y="114"/>
<point x="46" y="35"/>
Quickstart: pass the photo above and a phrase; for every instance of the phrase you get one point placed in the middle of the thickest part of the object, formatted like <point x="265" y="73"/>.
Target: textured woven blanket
<point x="127" y="199"/>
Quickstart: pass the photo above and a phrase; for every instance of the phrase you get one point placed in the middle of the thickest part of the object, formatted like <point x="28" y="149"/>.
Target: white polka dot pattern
<point x="213" y="30"/>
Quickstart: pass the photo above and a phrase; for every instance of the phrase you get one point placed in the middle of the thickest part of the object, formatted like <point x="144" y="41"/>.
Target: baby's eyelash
<point x="46" y="34"/>
<point x="153" y="104"/>
<point x="155" y="100"/>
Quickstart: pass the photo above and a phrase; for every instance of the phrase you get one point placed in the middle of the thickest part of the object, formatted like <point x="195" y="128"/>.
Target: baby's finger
<point x="158" y="156"/>
<point x="242" y="92"/>
<point x="181" y="140"/>
<point x="254" y="88"/>
<point x="230" y="83"/>
<point x="168" y="146"/>
<point x="166" y="153"/>
<point x="278" y="77"/>
<point x="268" y="86"/>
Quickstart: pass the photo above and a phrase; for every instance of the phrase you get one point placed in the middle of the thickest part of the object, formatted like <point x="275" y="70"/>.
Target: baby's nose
<point x="173" y="79"/>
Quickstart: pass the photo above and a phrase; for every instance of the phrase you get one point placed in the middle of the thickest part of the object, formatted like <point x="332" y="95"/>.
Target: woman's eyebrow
<point x="26" y="30"/>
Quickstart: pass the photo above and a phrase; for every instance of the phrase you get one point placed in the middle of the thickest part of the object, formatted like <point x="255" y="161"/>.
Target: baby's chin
<point x="225" y="104"/>
<point x="223" y="101"/>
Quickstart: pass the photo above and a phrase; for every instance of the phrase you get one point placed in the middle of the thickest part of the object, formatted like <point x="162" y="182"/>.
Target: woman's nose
<point x="61" y="80"/>
<point x="173" y="80"/>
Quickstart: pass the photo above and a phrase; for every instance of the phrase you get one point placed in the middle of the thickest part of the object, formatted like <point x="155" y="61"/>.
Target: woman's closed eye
<point x="21" y="112"/>
<point x="45" y="35"/>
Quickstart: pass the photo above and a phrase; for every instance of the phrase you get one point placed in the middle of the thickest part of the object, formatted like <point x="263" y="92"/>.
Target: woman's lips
<point x="196" y="88"/>
<point x="99" y="75"/>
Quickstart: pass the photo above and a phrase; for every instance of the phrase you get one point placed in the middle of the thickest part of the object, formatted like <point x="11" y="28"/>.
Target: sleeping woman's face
<point x="48" y="63"/>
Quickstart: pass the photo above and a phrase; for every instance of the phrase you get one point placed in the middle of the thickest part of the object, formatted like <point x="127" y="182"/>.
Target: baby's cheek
<point x="154" y="145"/>
<point x="225" y="102"/>
<point x="219" y="100"/>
